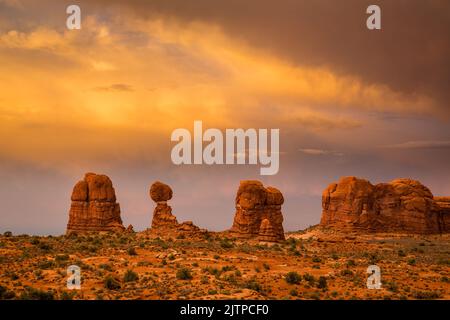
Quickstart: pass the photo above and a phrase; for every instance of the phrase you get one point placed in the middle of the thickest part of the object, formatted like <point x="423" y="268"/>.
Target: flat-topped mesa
<point x="162" y="215"/>
<point x="94" y="207"/>
<point x="258" y="212"/>
<point x="402" y="205"/>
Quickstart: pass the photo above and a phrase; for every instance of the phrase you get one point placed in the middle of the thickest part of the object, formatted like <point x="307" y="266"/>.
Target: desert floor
<point x="310" y="264"/>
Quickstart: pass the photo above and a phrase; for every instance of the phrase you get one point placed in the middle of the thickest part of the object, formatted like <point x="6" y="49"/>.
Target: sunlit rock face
<point x="402" y="205"/>
<point x="94" y="207"/>
<point x="258" y="212"/>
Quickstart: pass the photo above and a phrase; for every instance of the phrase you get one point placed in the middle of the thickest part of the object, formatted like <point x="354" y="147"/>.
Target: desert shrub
<point x="36" y="294"/>
<point x="293" y="293"/>
<point x="230" y="278"/>
<point x="351" y="263"/>
<point x="65" y="295"/>
<point x="226" y="243"/>
<point x="334" y="256"/>
<point x="105" y="266"/>
<point x="184" y="274"/>
<point x="44" y="246"/>
<point x="46" y="264"/>
<point x="130" y="276"/>
<point x="401" y="253"/>
<point x="7" y="234"/>
<point x="310" y="278"/>
<point x="346" y="272"/>
<point x="227" y="268"/>
<point x="392" y="286"/>
<point x="132" y="251"/>
<point x="253" y="285"/>
<point x="292" y="277"/>
<point x="6" y="294"/>
<point x="204" y="280"/>
<point x="322" y="284"/>
<point x="427" y="295"/>
<point x="111" y="283"/>
<point x="266" y="266"/>
<point x="61" y="257"/>
<point x="316" y="259"/>
<point x="314" y="295"/>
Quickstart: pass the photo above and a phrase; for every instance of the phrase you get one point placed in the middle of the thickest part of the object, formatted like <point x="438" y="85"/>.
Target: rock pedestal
<point x="258" y="212"/>
<point x="94" y="207"/>
<point x="163" y="219"/>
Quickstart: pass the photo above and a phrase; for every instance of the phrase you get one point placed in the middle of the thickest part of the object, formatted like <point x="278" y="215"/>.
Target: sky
<point x="106" y="98"/>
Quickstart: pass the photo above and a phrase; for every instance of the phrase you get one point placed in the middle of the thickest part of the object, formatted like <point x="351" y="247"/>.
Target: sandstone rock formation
<point x="258" y="212"/>
<point x="94" y="207"/>
<point x="403" y="205"/>
<point x="162" y="215"/>
<point x="444" y="211"/>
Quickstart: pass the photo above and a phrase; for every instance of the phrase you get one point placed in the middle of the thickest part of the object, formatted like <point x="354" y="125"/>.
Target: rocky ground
<point x="311" y="264"/>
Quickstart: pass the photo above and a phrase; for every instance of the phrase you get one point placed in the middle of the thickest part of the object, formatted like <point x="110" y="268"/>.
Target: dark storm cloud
<point x="410" y="54"/>
<point x="121" y="87"/>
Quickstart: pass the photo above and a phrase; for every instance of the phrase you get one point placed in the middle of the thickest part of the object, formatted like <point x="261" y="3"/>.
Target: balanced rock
<point x="94" y="207"/>
<point x="162" y="215"/>
<point x="160" y="192"/>
<point x="258" y="212"/>
<point x="402" y="205"/>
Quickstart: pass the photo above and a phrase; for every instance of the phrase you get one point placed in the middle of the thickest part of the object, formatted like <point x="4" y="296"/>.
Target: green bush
<point x="322" y="284"/>
<point x="132" y="251"/>
<point x="36" y="294"/>
<point x="184" y="274"/>
<point x="310" y="278"/>
<point x="401" y="253"/>
<point x="6" y="294"/>
<point x="130" y="276"/>
<point x="226" y="243"/>
<point x="427" y="295"/>
<point x="253" y="285"/>
<point x="111" y="283"/>
<point x="293" y="277"/>
<point x="351" y="263"/>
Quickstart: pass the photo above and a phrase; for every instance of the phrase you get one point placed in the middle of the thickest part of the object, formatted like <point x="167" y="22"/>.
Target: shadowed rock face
<point x="258" y="212"/>
<point x="402" y="205"/>
<point x="94" y="206"/>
